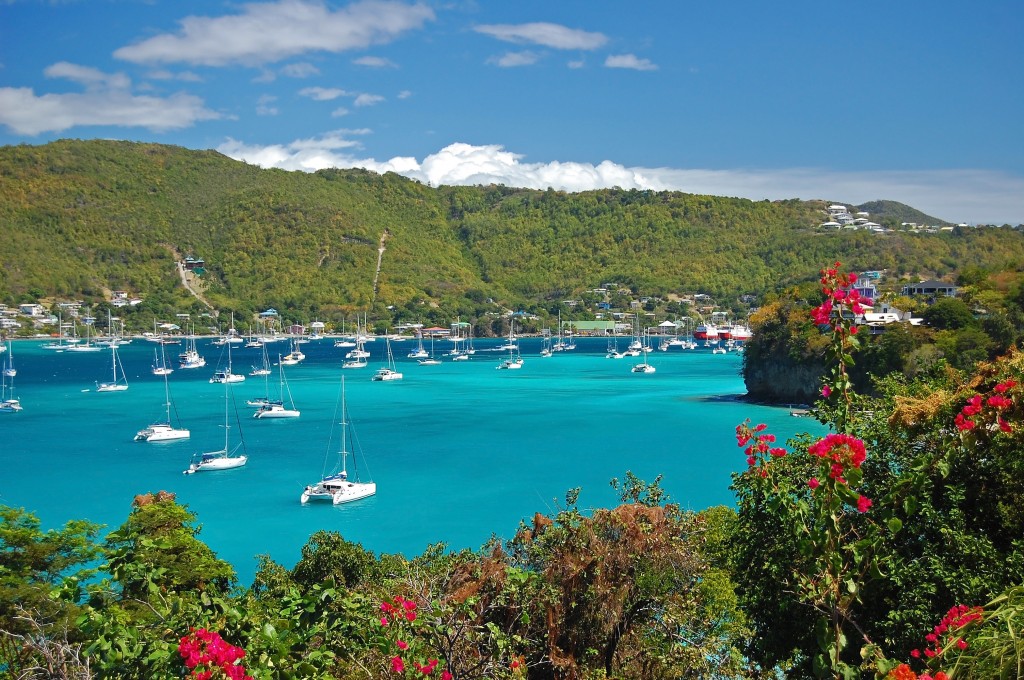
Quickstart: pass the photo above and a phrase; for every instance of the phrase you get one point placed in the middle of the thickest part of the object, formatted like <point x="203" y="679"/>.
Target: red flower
<point x="826" y="391"/>
<point x="445" y="675"/>
<point x="863" y="503"/>
<point x="397" y="665"/>
<point x="916" y="653"/>
<point x="813" y="483"/>
<point x="402" y="645"/>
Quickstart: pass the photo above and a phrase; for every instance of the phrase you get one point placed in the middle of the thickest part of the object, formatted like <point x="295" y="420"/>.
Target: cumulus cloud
<point x="513" y="59"/>
<point x="368" y="99"/>
<point x="300" y="70"/>
<point x="268" y="32"/>
<point x="375" y="62"/>
<point x="404" y="94"/>
<point x="549" y="35"/>
<point x="629" y="61"/>
<point x="107" y="99"/>
<point x="184" y="76"/>
<point x="265" y="105"/>
<point x="954" y="195"/>
<point x="339" y="112"/>
<point x="322" y="94"/>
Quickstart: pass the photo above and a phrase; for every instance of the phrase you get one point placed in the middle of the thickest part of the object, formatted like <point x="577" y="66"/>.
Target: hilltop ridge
<point x="83" y="217"/>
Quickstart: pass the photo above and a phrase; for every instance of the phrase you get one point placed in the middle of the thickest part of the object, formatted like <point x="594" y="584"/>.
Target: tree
<point x="949" y="314"/>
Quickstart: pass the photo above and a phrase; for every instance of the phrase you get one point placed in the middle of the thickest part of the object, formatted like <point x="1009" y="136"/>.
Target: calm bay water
<point x="459" y="451"/>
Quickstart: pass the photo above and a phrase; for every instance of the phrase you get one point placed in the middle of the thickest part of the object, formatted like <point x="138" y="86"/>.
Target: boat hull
<point x="161" y="433"/>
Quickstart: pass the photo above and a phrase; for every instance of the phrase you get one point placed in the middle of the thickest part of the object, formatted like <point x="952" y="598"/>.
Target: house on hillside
<point x="931" y="288"/>
<point x="196" y="265"/>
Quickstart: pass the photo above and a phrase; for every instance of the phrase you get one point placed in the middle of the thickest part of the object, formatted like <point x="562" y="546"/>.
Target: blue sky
<point x="910" y="101"/>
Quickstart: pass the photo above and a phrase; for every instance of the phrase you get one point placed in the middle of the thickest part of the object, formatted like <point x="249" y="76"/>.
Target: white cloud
<point x="267" y="32"/>
<point x="185" y="76"/>
<point x="577" y="63"/>
<point x="87" y="76"/>
<point x="375" y="62"/>
<point x="322" y="94"/>
<point x="339" y="112"/>
<point x="548" y="35"/>
<point x="955" y="195"/>
<point x="512" y="59"/>
<point x="404" y="94"/>
<point x="300" y="70"/>
<point x="368" y="99"/>
<point x="264" y="105"/>
<point x="629" y="61"/>
<point x="107" y="100"/>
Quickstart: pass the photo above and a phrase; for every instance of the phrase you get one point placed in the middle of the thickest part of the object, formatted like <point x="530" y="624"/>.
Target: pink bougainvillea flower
<point x="863" y="503"/>
<point x="813" y="483"/>
<point x="826" y="391"/>
<point x="402" y="645"/>
<point x="397" y="665"/>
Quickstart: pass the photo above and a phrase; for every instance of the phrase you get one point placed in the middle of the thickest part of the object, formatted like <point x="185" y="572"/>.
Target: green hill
<point x="897" y="213"/>
<point x="81" y="218"/>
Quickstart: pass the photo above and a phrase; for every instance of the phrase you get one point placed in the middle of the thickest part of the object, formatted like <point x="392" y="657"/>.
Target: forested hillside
<point x="83" y="217"/>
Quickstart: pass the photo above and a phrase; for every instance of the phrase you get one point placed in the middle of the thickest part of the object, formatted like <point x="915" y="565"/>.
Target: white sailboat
<point x="264" y="367"/>
<point x="9" y="370"/>
<point x="160" y="366"/>
<point x="293" y="357"/>
<point x="226" y="458"/>
<point x="276" y="409"/>
<point x="190" y="358"/>
<point x="388" y="371"/>
<point x="8" y="402"/>
<point x="88" y="346"/>
<point x="118" y="382"/>
<point x="225" y="375"/>
<point x="514" y="361"/>
<point x="419" y="352"/>
<point x="430" y="359"/>
<point x="336" y="487"/>
<point x="163" y="431"/>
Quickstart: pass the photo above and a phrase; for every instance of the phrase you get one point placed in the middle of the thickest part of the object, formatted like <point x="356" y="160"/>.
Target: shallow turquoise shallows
<point x="459" y="451"/>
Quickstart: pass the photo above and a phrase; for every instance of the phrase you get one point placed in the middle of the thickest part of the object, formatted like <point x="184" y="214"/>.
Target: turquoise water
<point x="459" y="451"/>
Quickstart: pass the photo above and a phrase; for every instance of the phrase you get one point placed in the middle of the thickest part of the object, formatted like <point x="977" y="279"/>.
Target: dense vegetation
<point x="785" y="360"/>
<point x="85" y="217"/>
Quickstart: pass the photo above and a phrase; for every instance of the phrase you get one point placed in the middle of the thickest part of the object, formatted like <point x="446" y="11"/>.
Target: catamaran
<point x="276" y="409"/>
<point x="336" y="487"/>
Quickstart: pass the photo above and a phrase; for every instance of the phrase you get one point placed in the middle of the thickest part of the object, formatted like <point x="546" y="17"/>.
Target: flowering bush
<point x="206" y="655"/>
<point x="402" y="643"/>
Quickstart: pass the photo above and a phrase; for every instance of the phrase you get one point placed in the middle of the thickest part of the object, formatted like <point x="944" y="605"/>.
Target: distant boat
<point x="118" y="382"/>
<point x="514" y="361"/>
<point x="643" y="367"/>
<point x="225" y="375"/>
<point x="336" y="487"/>
<point x="9" y="370"/>
<point x="276" y="409"/>
<point x="387" y="372"/>
<point x="190" y="358"/>
<point x="430" y="359"/>
<point x="163" y="431"/>
<point x="264" y="367"/>
<point x="88" y="346"/>
<point x="228" y="457"/>
<point x="8" y="402"/>
<point x="419" y="352"/>
<point x="293" y="357"/>
<point x="160" y="366"/>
